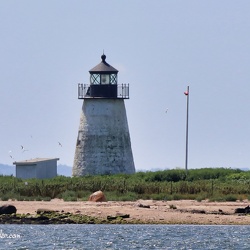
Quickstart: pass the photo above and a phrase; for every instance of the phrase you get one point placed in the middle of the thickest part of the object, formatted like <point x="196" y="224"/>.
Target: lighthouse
<point x="103" y="144"/>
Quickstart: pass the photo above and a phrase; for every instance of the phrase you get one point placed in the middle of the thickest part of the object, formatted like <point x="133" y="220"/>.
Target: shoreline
<point x="143" y="211"/>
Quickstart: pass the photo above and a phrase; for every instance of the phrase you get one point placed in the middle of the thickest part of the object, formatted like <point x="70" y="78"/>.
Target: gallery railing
<point x="85" y="91"/>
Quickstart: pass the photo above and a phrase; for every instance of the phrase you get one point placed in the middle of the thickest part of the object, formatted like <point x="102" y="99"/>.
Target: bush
<point x="201" y="197"/>
<point x="46" y="198"/>
<point x="161" y="196"/>
<point x="4" y="198"/>
<point x="231" y="198"/>
<point x="116" y="196"/>
<point x="221" y="184"/>
<point x="69" y="196"/>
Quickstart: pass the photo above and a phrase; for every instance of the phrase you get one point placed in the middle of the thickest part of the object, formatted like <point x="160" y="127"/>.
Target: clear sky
<point x="159" y="47"/>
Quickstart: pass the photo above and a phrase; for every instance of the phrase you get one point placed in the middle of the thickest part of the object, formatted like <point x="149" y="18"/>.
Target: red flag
<point x="185" y="93"/>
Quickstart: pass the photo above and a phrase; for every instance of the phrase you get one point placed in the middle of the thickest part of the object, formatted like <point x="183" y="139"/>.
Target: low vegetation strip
<point x="215" y="184"/>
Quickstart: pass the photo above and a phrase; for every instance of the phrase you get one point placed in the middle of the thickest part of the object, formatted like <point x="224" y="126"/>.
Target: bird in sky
<point x="59" y="143"/>
<point x="23" y="149"/>
<point x="11" y="154"/>
<point x="166" y="110"/>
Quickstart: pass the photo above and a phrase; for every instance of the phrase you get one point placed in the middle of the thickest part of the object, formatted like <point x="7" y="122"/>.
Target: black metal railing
<point x="84" y="91"/>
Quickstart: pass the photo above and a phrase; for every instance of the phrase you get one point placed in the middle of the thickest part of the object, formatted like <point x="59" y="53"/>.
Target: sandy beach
<point x="147" y="211"/>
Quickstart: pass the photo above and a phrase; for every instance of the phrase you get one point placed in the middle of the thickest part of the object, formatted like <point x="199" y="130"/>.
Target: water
<point x="124" y="237"/>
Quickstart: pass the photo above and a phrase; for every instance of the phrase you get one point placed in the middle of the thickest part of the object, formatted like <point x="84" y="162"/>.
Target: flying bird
<point x="23" y="149"/>
<point x="59" y="144"/>
<point x="11" y="154"/>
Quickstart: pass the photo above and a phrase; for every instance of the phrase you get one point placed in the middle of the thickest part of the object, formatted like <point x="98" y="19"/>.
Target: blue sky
<point x="159" y="47"/>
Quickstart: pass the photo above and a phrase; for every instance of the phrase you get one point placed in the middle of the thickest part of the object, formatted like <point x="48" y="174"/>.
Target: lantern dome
<point x="103" y="67"/>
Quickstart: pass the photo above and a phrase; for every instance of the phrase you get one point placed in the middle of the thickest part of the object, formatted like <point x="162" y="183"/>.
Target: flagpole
<point x="186" y="158"/>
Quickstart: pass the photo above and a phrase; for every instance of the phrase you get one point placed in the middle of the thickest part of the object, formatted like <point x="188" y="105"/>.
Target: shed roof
<point x="33" y="161"/>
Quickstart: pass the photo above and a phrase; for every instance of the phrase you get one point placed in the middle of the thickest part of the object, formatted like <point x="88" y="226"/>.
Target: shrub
<point x="69" y="196"/>
<point x="46" y="198"/>
<point x="231" y="198"/>
<point x="217" y="198"/>
<point x="177" y="197"/>
<point x="161" y="196"/>
<point x="116" y="196"/>
<point x="4" y="198"/>
<point x="201" y="197"/>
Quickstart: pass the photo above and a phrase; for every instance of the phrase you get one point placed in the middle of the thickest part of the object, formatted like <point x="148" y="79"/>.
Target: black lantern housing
<point x="103" y="83"/>
<point x="103" y="80"/>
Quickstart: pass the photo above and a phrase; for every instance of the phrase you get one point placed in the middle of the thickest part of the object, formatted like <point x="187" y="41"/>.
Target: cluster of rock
<point x="245" y="210"/>
<point x="141" y="205"/>
<point x="45" y="216"/>
<point x="8" y="215"/>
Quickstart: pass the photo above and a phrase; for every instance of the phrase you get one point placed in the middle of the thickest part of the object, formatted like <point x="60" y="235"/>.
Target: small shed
<point x="40" y="168"/>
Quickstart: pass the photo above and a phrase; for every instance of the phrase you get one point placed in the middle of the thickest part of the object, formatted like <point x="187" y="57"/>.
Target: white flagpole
<point x="186" y="158"/>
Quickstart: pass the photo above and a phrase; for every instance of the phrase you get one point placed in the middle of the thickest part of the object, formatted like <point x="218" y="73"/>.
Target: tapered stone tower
<point x="103" y="143"/>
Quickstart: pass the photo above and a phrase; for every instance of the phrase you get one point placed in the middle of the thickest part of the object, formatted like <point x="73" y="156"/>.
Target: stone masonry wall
<point x="103" y="144"/>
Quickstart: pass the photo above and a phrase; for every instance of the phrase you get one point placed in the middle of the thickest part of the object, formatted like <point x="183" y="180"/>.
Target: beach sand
<point x="151" y="211"/>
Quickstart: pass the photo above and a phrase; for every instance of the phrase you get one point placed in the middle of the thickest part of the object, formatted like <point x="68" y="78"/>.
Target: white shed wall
<point x="46" y="169"/>
<point x="26" y="171"/>
<point x="39" y="169"/>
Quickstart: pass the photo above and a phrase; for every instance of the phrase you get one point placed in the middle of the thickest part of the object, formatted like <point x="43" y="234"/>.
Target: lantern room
<point x="103" y="83"/>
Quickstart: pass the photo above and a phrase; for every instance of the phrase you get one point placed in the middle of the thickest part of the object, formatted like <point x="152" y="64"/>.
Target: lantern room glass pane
<point x="105" y="79"/>
<point x="95" y="79"/>
<point x="113" y="79"/>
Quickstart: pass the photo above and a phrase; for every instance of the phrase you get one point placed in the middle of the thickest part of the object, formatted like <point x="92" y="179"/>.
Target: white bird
<point x="10" y="154"/>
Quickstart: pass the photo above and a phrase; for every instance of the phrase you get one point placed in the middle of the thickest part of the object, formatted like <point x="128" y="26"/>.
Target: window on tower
<point x="95" y="79"/>
<point x="104" y="79"/>
<point x="113" y="79"/>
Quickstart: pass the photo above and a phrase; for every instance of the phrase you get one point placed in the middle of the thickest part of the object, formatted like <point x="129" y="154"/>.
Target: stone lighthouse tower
<point x="103" y="143"/>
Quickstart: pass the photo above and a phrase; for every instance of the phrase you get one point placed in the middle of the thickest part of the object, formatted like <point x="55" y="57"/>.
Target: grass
<point x="219" y="184"/>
